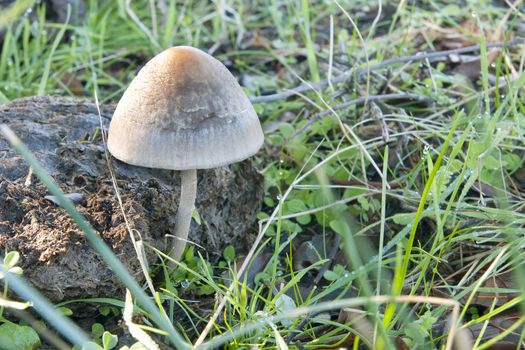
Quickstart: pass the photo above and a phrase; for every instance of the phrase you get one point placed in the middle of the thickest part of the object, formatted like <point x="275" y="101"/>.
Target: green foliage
<point x="136" y="346"/>
<point x="190" y="277"/>
<point x="9" y="263"/>
<point x="197" y="217"/>
<point x="65" y="311"/>
<point x="107" y="341"/>
<point x="108" y="310"/>
<point x="97" y="329"/>
<point x="229" y="253"/>
<point x="14" y="336"/>
<point x="336" y="273"/>
<point x="17" y="337"/>
<point x="418" y="332"/>
<point x="104" y="340"/>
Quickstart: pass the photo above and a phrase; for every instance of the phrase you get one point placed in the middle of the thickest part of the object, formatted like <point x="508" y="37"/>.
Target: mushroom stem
<point x="188" y="192"/>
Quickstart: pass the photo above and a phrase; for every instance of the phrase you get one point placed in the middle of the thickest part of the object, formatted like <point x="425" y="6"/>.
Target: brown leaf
<point x="256" y="40"/>
<point x="73" y="83"/>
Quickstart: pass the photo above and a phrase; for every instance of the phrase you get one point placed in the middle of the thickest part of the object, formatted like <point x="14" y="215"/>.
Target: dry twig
<point x="359" y="71"/>
<point x="359" y="101"/>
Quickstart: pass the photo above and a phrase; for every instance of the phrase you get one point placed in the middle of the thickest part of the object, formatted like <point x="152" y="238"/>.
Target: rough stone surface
<point x="56" y="257"/>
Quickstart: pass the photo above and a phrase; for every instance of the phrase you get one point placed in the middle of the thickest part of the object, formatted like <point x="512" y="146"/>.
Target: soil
<point x="64" y="134"/>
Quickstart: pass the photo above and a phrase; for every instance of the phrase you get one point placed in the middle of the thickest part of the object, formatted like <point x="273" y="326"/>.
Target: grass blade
<point x="399" y="278"/>
<point x="14" y="11"/>
<point x="45" y="75"/>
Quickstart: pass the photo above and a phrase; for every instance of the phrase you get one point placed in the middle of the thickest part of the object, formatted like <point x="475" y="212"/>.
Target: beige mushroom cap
<point x="184" y="110"/>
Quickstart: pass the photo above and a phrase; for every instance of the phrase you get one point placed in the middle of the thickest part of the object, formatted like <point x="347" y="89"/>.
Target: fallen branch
<point x="359" y="71"/>
<point x="359" y="101"/>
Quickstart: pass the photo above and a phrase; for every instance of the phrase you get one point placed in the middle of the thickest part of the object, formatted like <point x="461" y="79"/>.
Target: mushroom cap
<point x="184" y="110"/>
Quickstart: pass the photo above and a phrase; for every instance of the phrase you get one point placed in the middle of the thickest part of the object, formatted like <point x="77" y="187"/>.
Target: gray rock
<point x="64" y="135"/>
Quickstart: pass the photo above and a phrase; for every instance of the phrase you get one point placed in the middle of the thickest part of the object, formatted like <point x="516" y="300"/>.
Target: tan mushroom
<point x="184" y="111"/>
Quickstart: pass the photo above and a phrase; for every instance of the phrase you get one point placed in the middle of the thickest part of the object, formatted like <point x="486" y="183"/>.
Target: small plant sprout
<point x="9" y="264"/>
<point x="184" y="111"/>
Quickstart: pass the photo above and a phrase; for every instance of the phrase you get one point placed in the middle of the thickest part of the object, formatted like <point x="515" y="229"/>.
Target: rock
<point x="64" y="135"/>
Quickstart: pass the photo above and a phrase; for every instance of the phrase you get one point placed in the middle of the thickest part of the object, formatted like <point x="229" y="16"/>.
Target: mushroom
<point x="184" y="111"/>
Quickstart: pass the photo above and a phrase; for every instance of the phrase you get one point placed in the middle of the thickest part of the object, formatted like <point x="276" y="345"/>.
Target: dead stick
<point x="358" y="101"/>
<point x="403" y="59"/>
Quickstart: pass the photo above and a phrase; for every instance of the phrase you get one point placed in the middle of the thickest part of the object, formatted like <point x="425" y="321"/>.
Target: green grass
<point x="427" y="198"/>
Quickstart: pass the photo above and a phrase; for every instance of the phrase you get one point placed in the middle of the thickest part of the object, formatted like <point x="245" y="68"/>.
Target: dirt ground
<point x="65" y="136"/>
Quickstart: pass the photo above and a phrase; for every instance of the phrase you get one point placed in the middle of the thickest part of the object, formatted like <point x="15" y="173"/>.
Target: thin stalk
<point x="188" y="192"/>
